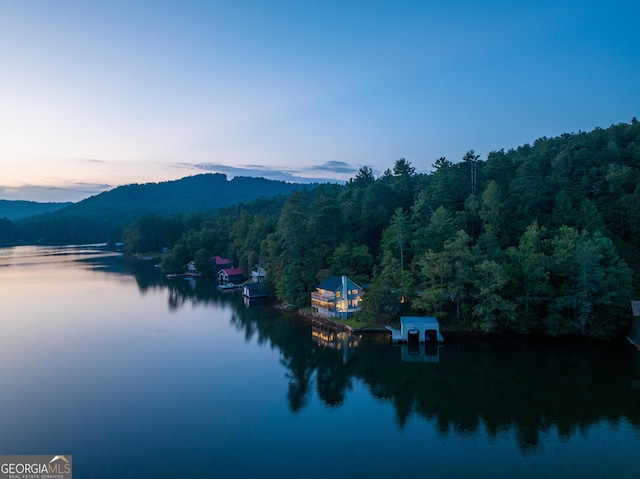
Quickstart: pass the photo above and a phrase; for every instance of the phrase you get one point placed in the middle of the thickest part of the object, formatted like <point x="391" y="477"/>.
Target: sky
<point x="97" y="94"/>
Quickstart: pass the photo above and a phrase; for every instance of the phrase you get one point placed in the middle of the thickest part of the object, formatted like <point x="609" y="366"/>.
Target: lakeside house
<point x="218" y="263"/>
<point x="230" y="277"/>
<point x="255" y="288"/>
<point x="259" y="274"/>
<point x="336" y="296"/>
<point x="191" y="268"/>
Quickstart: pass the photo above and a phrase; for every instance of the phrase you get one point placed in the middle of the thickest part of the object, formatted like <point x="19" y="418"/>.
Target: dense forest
<point x="542" y="238"/>
<point x="102" y="217"/>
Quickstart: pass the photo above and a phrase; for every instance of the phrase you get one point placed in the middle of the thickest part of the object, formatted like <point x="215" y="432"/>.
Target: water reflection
<point x="328" y="337"/>
<point x="37" y="255"/>
<point x="529" y="385"/>
<point x="428" y="352"/>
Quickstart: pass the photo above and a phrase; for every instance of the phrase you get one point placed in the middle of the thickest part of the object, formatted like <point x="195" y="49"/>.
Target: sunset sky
<point x="96" y="94"/>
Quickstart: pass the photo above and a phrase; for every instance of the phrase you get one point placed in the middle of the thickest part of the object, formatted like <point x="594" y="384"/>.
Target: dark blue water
<point x="137" y="376"/>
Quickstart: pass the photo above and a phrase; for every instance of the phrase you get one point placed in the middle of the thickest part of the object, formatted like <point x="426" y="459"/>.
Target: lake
<point x="138" y="376"/>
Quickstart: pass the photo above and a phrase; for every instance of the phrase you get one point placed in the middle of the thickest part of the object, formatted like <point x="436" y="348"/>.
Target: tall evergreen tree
<point x="434" y="234"/>
<point x="589" y="276"/>
<point x="494" y="226"/>
<point x="393" y="282"/>
<point x="434" y="273"/>
<point x="492" y="309"/>
<point x="457" y="252"/>
<point x="289" y="250"/>
<point x="532" y="274"/>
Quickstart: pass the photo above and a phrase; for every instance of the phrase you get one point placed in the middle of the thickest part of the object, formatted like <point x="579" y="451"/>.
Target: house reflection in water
<point x="261" y="301"/>
<point x="420" y="352"/>
<point x="330" y="338"/>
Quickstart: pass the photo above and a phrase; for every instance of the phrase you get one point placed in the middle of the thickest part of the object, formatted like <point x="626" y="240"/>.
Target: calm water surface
<point x="137" y="376"/>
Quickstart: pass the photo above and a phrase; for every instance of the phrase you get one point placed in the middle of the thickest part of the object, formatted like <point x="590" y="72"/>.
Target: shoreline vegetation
<point x="377" y="327"/>
<point x="539" y="239"/>
<point x="543" y="238"/>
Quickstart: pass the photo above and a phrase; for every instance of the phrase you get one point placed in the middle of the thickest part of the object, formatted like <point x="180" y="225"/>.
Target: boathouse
<point x="254" y="290"/>
<point x="417" y="329"/>
<point x="230" y="276"/>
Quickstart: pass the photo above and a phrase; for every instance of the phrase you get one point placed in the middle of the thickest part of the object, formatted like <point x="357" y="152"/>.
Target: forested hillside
<point x="15" y="209"/>
<point x="101" y="218"/>
<point x="539" y="238"/>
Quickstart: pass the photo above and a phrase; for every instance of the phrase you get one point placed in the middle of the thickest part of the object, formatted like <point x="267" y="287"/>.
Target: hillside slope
<point x="193" y="193"/>
<point x="16" y="209"/>
<point x="102" y="216"/>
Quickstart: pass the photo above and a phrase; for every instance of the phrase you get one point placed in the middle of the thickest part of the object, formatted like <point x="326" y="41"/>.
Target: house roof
<point x="333" y="283"/>
<point x="220" y="260"/>
<point x="233" y="271"/>
<point x="419" y="320"/>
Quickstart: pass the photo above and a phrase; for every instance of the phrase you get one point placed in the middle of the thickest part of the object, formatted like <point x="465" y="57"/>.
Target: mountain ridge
<point x="103" y="216"/>
<point x="203" y="192"/>
<point x="16" y="209"/>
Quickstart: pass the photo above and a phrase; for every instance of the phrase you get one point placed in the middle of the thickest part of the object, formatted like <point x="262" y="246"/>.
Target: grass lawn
<point x="362" y="321"/>
<point x="358" y="321"/>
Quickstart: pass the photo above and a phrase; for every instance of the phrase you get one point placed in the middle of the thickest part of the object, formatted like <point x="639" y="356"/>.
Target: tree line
<point x="539" y="238"/>
<point x="102" y="217"/>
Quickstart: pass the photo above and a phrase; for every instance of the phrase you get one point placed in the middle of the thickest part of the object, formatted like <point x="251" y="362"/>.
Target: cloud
<point x="291" y="175"/>
<point x="336" y="167"/>
<point x="72" y="192"/>
<point x="55" y="189"/>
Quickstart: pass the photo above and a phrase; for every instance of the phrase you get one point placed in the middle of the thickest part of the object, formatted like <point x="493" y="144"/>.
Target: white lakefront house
<point x="337" y="297"/>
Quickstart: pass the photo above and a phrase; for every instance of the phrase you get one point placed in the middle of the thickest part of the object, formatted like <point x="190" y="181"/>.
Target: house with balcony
<point x="337" y="297"/>
<point x="256" y="288"/>
<point x="259" y="274"/>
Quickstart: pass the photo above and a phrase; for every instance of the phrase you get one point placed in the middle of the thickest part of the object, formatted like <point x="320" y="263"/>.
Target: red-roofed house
<point x="219" y="263"/>
<point x="230" y="276"/>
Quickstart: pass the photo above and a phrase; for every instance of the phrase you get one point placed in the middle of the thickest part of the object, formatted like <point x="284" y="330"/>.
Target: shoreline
<point x="454" y="331"/>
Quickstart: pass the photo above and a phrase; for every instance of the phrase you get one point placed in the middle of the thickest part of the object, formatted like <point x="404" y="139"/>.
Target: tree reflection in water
<point x="526" y="383"/>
